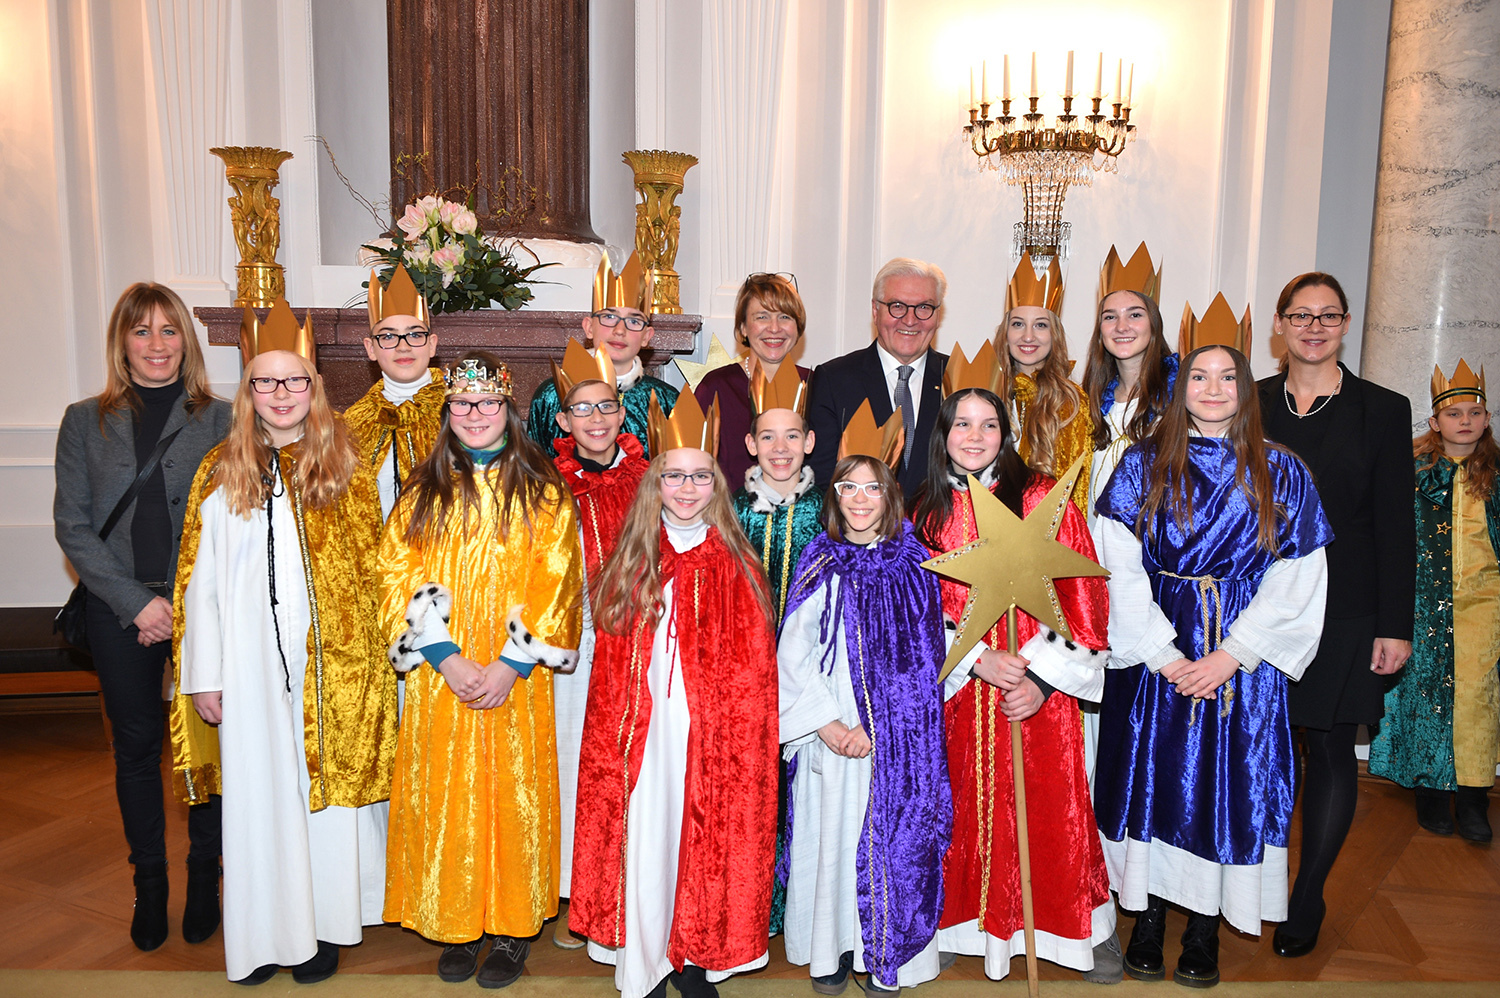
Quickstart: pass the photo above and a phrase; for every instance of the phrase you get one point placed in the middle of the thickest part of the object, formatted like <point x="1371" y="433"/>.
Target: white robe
<point x="830" y="797"/>
<point x="291" y="877"/>
<point x="655" y="813"/>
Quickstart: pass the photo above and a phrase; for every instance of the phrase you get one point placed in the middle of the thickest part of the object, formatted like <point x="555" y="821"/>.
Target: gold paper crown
<point x="580" y="365"/>
<point x="630" y="288"/>
<point x="279" y="332"/>
<point x="785" y="391"/>
<point x="1136" y="275"/>
<point x="1026" y="288"/>
<point x="400" y="297"/>
<point x="862" y="436"/>
<point x="471" y="377"/>
<point x="688" y="426"/>
<point x="1218" y="327"/>
<point x="982" y="372"/>
<point x="1446" y="391"/>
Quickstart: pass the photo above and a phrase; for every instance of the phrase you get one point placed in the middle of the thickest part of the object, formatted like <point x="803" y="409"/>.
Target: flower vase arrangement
<point x="455" y="266"/>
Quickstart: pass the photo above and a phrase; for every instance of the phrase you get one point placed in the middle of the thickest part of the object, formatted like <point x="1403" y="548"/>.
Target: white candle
<point x="1130" y="86"/>
<point x="984" y="81"/>
<point x="971" y="86"/>
<point x="1099" y="78"/>
<point x="1006" y="94"/>
<point x="1119" y="71"/>
<point x="1034" y="92"/>
<point x="1068" y="83"/>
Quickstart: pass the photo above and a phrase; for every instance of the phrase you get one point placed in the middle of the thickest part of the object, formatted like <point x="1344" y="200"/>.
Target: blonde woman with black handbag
<point x="156" y="390"/>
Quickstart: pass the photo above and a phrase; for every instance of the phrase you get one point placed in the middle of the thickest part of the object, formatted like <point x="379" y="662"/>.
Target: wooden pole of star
<point x="1008" y="567"/>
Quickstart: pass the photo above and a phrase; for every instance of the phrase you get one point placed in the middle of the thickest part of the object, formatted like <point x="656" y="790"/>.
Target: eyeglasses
<point x="296" y="384"/>
<point x="1304" y="319"/>
<point x="785" y="275"/>
<point x="899" y="309"/>
<point x="609" y="320"/>
<point x="486" y="407"/>
<point x="388" y="341"/>
<point x="606" y="408"/>
<point x="677" y="479"/>
<point x="848" y="489"/>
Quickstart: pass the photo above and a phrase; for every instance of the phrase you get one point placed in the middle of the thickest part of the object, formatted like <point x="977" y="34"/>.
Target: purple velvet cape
<point x="893" y="630"/>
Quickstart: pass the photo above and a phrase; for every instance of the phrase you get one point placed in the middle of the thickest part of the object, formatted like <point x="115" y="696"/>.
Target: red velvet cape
<point x="603" y="497"/>
<point x="728" y="653"/>
<point x="1067" y="863"/>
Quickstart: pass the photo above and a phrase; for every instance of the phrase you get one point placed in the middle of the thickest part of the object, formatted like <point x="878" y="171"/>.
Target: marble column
<point x="1435" y="259"/>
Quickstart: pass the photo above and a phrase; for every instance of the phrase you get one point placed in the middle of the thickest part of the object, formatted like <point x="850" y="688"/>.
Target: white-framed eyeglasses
<point x="847" y="489"/>
<point x="486" y="407"/>
<point x="677" y="479"/>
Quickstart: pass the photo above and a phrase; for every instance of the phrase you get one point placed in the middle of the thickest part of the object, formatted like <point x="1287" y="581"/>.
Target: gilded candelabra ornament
<point x="1044" y="158"/>
<point x="256" y="218"/>
<point x="658" y="220"/>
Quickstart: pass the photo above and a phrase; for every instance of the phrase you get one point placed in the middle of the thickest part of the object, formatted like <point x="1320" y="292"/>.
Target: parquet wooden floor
<point x="1403" y="904"/>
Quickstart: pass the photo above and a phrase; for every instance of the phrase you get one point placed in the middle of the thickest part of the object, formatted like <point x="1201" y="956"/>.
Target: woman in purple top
<point x="769" y="321"/>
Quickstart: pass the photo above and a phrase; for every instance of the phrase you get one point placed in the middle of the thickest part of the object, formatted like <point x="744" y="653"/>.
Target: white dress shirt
<point x="892" y="368"/>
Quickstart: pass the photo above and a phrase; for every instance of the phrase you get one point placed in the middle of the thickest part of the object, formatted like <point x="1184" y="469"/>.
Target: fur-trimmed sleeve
<point x="546" y="627"/>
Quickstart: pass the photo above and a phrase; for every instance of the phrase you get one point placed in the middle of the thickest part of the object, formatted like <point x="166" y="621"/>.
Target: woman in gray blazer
<point x="156" y="385"/>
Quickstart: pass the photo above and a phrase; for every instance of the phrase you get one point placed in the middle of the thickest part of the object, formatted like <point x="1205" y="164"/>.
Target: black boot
<point x="323" y="965"/>
<point x="201" y="916"/>
<point x="1435" y="810"/>
<point x="693" y="983"/>
<point x="1198" y="967"/>
<point x="148" y="926"/>
<point x="1143" y="958"/>
<point x="1473" y="817"/>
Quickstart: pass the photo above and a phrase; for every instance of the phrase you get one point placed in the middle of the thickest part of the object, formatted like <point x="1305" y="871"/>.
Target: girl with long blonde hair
<point x="285" y="702"/>
<point x="481" y="581"/>
<point x="672" y="865"/>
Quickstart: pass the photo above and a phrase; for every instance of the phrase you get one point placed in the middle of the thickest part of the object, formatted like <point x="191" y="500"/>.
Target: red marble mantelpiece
<point x="527" y="341"/>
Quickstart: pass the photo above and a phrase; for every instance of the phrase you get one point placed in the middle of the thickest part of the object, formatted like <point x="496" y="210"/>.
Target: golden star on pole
<point x="1012" y="563"/>
<point x="693" y="372"/>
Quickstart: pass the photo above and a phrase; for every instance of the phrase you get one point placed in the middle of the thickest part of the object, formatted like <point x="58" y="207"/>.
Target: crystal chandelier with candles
<point x="1044" y="157"/>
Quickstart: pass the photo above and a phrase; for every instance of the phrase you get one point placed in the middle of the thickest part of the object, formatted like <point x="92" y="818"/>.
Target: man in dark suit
<point x="899" y="372"/>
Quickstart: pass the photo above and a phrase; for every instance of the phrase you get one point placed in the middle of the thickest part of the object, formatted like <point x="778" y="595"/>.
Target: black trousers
<point x="130" y="678"/>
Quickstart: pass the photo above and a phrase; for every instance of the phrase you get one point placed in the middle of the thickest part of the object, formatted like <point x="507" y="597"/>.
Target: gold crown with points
<point x="399" y="297"/>
<point x="982" y="372"/>
<point x="1464" y="383"/>
<point x="1026" y="288"/>
<point x="688" y="426"/>
<point x="1218" y="327"/>
<point x="471" y="377"/>
<point x="862" y="436"/>
<point x="786" y="390"/>
<point x="279" y="332"/>
<point x="579" y="365"/>
<point x="1136" y="275"/>
<point x="630" y="288"/>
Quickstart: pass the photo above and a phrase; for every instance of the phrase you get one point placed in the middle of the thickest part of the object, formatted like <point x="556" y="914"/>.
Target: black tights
<point x="1329" y="792"/>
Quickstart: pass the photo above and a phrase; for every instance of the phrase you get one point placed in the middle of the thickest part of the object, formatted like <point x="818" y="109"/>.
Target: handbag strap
<point x="139" y="483"/>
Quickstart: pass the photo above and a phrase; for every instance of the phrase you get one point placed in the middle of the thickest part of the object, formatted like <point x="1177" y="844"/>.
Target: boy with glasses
<point x="396" y="421"/>
<point x="620" y="324"/>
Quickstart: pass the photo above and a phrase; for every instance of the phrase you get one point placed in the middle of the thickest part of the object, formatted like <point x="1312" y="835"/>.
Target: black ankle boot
<point x="1473" y="819"/>
<point x="693" y="983"/>
<point x="1198" y="967"/>
<point x="148" y="926"/>
<point x="1435" y="810"/>
<point x="1143" y="959"/>
<point x="201" y="916"/>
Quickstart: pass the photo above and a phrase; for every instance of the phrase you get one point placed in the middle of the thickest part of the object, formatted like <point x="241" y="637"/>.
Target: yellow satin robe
<point x="1075" y="438"/>
<point x="475" y="824"/>
<point x="349" y="694"/>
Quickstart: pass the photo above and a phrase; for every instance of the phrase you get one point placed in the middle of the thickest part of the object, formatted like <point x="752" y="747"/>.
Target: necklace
<point x="1292" y="408"/>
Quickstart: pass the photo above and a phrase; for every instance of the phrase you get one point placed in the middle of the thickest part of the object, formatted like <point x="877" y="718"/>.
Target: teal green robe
<point x="542" y="426"/>
<point x="1415" y="744"/>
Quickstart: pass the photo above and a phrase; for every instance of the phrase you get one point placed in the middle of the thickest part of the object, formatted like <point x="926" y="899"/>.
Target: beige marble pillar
<point x="1435" y="259"/>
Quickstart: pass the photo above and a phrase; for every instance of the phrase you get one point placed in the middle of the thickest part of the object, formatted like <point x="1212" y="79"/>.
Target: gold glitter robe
<point x="401" y="434"/>
<point x="475" y="824"/>
<point x="349" y="689"/>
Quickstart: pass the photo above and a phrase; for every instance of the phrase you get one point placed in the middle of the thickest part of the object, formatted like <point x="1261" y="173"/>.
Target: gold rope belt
<point x="1213" y="634"/>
